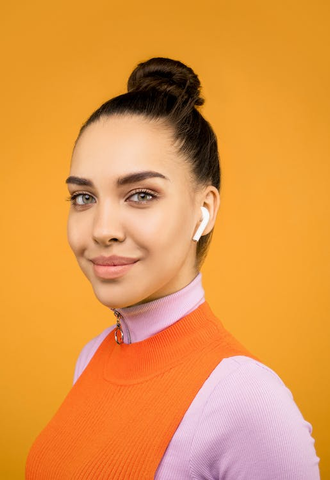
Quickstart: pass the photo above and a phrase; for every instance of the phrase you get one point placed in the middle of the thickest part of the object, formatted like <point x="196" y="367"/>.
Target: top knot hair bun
<point x="169" y="77"/>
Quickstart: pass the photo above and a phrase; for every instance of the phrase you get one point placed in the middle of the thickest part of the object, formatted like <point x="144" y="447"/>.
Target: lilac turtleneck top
<point x="242" y="425"/>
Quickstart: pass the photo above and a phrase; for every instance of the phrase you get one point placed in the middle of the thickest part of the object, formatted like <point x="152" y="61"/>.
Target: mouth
<point x="112" y="271"/>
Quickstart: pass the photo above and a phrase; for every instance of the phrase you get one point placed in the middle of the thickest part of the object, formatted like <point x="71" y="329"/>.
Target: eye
<point x="85" y="196"/>
<point x="143" y="193"/>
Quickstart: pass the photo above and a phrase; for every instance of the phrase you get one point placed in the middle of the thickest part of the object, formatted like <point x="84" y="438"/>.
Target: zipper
<point x="119" y="334"/>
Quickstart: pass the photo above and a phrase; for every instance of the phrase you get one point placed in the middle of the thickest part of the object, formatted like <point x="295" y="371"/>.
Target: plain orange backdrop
<point x="264" y="68"/>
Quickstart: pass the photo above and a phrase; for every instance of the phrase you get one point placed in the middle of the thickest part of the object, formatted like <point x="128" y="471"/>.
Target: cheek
<point x="75" y="234"/>
<point x="165" y="227"/>
<point x="144" y="230"/>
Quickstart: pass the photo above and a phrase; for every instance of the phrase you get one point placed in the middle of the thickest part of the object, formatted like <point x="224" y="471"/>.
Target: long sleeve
<point x="243" y="424"/>
<point x="251" y="428"/>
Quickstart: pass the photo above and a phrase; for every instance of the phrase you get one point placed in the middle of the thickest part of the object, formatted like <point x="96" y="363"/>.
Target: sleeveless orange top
<point x="119" y="417"/>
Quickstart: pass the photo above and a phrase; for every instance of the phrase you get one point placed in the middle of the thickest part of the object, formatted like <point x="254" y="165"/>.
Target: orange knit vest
<point x="119" y="417"/>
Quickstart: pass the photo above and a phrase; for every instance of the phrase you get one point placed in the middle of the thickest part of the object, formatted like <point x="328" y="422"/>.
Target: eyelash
<point x="72" y="197"/>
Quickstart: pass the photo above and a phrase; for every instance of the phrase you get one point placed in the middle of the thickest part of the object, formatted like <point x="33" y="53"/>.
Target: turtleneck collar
<point x="139" y="322"/>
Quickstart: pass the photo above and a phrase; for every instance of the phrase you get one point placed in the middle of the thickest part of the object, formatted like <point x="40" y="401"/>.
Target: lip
<point x="111" y="271"/>
<point x="113" y="260"/>
<point x="113" y="266"/>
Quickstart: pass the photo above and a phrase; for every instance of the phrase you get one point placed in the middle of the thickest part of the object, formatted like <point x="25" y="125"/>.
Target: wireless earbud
<point x="206" y="218"/>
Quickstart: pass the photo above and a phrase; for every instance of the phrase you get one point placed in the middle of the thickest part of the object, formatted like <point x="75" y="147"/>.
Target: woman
<point x="167" y="392"/>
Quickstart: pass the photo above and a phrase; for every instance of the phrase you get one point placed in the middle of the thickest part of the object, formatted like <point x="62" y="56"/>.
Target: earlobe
<point x="204" y="222"/>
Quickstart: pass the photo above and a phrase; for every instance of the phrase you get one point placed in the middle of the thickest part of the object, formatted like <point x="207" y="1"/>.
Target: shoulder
<point x="251" y="427"/>
<point x="246" y="385"/>
<point x="88" y="351"/>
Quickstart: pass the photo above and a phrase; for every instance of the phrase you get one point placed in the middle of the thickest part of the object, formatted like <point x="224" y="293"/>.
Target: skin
<point x="113" y="220"/>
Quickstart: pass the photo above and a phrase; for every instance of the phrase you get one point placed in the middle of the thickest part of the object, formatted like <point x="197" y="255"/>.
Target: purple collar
<point x="141" y="321"/>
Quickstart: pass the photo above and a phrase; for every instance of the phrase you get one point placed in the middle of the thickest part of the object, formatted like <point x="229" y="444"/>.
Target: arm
<point x="251" y="428"/>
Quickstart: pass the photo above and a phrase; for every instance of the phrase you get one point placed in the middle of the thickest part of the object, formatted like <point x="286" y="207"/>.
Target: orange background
<point x="264" y="68"/>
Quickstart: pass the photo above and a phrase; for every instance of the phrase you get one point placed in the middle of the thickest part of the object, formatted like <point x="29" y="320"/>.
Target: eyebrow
<point x="125" y="180"/>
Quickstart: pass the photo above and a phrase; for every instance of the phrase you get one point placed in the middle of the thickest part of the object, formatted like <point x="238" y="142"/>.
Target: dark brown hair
<point x="162" y="88"/>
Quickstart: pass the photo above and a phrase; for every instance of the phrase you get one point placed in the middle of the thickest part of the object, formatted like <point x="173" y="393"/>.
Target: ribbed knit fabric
<point x="144" y="320"/>
<point x="242" y="424"/>
<point x="119" y="417"/>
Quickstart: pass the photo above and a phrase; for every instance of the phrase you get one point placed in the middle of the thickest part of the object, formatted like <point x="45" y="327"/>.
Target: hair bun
<point x="169" y="77"/>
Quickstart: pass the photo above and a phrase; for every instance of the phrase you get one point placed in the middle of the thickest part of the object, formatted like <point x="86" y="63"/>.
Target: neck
<point x="139" y="322"/>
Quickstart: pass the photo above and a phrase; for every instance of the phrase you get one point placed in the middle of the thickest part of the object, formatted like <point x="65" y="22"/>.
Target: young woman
<point x="167" y="392"/>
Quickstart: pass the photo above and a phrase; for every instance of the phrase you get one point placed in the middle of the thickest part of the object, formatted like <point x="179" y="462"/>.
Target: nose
<point x="107" y="223"/>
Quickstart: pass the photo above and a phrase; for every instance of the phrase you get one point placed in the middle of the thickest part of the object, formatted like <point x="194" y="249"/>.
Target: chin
<point x="111" y="299"/>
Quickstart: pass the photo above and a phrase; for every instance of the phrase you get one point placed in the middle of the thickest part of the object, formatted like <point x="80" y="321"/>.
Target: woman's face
<point x="110" y="217"/>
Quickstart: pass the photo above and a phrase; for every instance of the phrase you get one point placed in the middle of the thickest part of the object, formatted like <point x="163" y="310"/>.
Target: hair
<point x="166" y="89"/>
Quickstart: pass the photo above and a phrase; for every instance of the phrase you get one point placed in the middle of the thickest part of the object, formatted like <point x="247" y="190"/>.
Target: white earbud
<point x="205" y="220"/>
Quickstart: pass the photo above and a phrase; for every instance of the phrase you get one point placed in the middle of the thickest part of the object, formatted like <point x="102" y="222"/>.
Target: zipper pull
<point x="119" y="334"/>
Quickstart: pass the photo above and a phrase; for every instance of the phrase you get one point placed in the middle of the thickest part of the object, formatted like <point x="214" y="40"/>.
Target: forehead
<point x="116" y="144"/>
